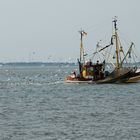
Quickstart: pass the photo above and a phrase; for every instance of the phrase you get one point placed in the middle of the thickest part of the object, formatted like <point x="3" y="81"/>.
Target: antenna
<point x="115" y="22"/>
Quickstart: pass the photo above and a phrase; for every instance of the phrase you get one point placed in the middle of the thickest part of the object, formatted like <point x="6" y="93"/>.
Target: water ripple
<point x="35" y="103"/>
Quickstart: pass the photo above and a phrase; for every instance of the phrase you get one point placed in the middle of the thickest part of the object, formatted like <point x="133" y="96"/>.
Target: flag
<point x="84" y="33"/>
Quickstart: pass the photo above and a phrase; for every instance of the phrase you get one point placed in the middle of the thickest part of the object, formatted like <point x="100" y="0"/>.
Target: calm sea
<point x="36" y="104"/>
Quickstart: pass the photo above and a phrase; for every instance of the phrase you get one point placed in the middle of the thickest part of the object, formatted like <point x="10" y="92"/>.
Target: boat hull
<point x="117" y="76"/>
<point x="135" y="78"/>
<point x="71" y="79"/>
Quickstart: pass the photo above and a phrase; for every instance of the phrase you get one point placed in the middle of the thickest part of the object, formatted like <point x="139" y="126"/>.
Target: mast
<point x="82" y="58"/>
<point x="117" y="44"/>
<point x="82" y="33"/>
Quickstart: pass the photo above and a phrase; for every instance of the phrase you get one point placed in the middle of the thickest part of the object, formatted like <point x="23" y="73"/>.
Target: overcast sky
<point x="47" y="30"/>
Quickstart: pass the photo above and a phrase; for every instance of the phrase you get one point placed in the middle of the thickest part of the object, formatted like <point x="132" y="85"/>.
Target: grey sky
<point x="35" y="30"/>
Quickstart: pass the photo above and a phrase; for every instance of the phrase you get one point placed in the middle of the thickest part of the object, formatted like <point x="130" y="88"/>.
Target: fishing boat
<point x="95" y="72"/>
<point x="129" y="73"/>
<point x="122" y="57"/>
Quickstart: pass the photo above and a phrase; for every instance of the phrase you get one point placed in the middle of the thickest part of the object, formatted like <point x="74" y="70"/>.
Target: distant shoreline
<point x="35" y="63"/>
<point x="41" y="63"/>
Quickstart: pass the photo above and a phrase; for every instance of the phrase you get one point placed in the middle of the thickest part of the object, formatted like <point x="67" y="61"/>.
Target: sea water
<point x="36" y="104"/>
